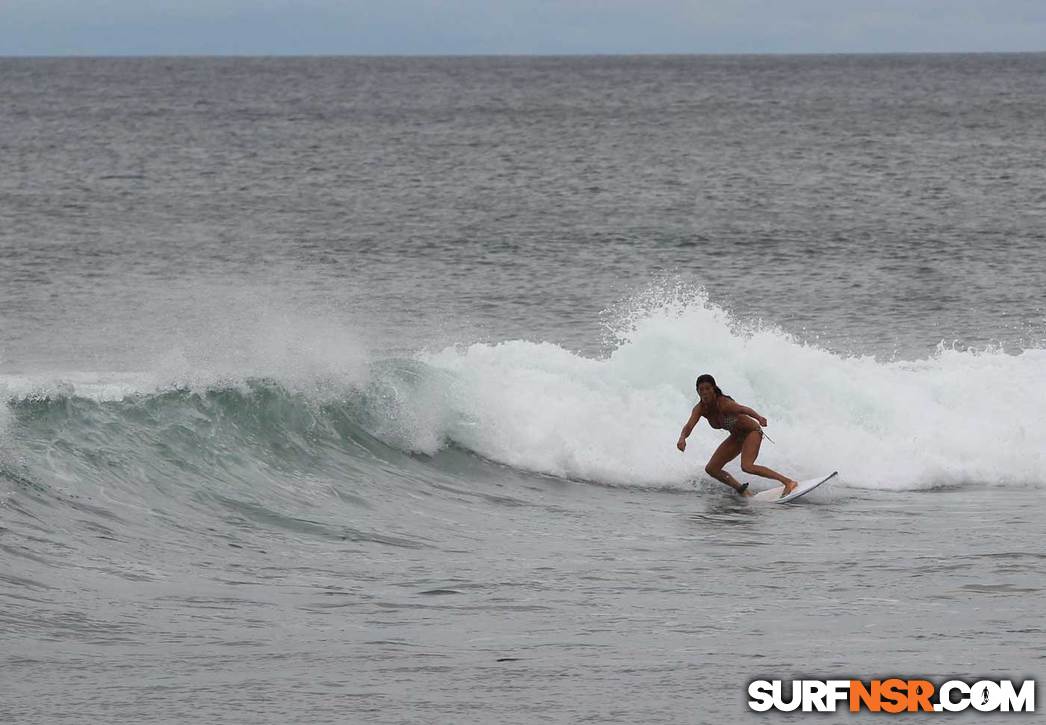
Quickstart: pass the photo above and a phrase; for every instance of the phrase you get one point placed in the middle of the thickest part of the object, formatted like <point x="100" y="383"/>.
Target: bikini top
<point x="727" y="422"/>
<point x="722" y="422"/>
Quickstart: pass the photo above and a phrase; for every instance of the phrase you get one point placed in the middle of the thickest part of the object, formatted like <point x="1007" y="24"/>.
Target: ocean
<point x="346" y="390"/>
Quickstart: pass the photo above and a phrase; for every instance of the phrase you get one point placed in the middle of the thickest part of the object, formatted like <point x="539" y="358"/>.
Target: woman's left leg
<point x="749" y="451"/>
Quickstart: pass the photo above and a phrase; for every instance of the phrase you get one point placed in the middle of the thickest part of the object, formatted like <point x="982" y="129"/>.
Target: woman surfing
<point x="746" y="435"/>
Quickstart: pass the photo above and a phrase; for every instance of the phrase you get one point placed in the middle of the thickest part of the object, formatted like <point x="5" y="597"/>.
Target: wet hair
<point x="706" y="378"/>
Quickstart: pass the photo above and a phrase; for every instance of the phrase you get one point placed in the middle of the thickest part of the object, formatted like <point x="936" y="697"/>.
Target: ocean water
<point x="347" y="389"/>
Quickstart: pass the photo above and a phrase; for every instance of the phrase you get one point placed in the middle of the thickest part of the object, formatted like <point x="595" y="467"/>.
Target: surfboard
<point x="804" y="487"/>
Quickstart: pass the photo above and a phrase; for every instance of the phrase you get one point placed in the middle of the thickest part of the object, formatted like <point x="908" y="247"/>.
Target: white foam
<point x="101" y="387"/>
<point x="957" y="417"/>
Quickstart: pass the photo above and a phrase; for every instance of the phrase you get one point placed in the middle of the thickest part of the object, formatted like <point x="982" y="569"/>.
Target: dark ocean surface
<point x="347" y="389"/>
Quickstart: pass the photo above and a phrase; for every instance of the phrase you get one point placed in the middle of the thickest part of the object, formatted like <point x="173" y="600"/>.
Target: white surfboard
<point x="804" y="487"/>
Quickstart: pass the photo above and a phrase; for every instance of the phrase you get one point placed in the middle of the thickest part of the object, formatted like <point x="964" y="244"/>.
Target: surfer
<point x="746" y="435"/>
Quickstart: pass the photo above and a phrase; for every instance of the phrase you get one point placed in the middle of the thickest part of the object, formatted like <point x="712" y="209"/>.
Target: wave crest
<point x="956" y="417"/>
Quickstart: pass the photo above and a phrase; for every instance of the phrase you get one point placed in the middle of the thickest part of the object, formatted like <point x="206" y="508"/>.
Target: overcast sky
<point x="466" y="27"/>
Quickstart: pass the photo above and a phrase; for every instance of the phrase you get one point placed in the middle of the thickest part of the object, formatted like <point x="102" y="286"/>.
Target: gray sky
<point x="440" y="27"/>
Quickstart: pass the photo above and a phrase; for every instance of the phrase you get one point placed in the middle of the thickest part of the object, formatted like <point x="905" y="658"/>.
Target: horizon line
<point x="651" y="54"/>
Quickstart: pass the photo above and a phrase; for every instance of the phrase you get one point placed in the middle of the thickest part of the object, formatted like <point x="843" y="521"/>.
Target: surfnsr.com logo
<point x="892" y="695"/>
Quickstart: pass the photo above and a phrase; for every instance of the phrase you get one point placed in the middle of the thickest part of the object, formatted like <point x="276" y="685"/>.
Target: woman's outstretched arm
<point x="695" y="416"/>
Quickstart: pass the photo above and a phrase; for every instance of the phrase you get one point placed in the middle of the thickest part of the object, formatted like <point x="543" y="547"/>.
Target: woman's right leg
<point x="727" y="451"/>
<point x="749" y="451"/>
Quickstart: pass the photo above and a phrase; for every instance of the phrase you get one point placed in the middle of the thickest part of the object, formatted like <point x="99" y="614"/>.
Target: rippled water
<point x="346" y="390"/>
